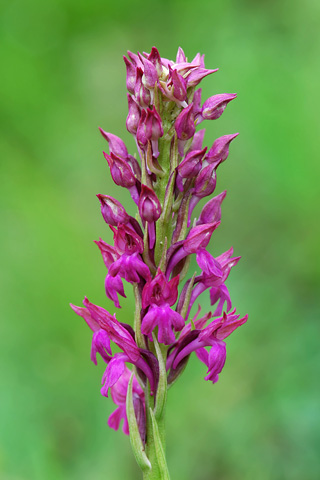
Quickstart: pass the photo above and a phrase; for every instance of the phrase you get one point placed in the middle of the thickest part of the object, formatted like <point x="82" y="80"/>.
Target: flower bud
<point x="135" y="59"/>
<point x="214" y="107"/>
<point x="133" y="117"/>
<point x="197" y="74"/>
<point x="112" y="210"/>
<point x="205" y="182"/>
<point x="181" y="58"/>
<point x="184" y="124"/>
<point x="199" y="237"/>
<point x="197" y="103"/>
<point x="131" y="75"/>
<point x="197" y="140"/>
<point x="179" y="86"/>
<point x="211" y="212"/>
<point x="150" y="126"/>
<point x="116" y="145"/>
<point x="149" y="205"/>
<point x="150" y="74"/>
<point x="142" y="94"/>
<point x="220" y="149"/>
<point x="155" y="59"/>
<point x="191" y="164"/>
<point x="121" y="172"/>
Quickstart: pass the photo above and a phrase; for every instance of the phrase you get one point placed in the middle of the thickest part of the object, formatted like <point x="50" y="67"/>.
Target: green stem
<point x="150" y="448"/>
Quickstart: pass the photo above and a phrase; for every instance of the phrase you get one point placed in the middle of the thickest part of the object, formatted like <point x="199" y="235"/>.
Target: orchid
<point x="152" y="251"/>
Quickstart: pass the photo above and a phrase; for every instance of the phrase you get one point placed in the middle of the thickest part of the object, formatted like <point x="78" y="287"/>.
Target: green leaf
<point x="161" y="458"/>
<point x="161" y="395"/>
<point x="135" y="439"/>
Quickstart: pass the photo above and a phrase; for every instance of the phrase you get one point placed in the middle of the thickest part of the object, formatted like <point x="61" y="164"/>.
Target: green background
<point x="62" y="76"/>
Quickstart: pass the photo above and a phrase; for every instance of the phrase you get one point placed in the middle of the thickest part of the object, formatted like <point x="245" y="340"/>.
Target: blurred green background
<point x="62" y="76"/>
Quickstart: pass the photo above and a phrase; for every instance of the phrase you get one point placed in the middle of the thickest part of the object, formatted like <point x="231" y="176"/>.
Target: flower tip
<point x="103" y="133"/>
<point x="85" y="301"/>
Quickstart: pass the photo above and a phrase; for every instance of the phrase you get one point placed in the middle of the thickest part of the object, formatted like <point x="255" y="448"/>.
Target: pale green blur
<point x="62" y="76"/>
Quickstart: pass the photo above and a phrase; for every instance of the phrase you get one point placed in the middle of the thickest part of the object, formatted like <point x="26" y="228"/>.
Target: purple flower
<point x="131" y="75"/>
<point x="210" y="336"/>
<point x="184" y="124"/>
<point x="134" y="115"/>
<point x="215" y="271"/>
<point x="127" y="240"/>
<point x="220" y="149"/>
<point x="214" y="107"/>
<point x="159" y="295"/>
<point x="197" y="239"/>
<point x="119" y="395"/>
<point x="120" y="170"/>
<point x="149" y="205"/>
<point x="112" y="210"/>
<point x="116" y="145"/>
<point x="211" y="212"/>
<point x="191" y="164"/>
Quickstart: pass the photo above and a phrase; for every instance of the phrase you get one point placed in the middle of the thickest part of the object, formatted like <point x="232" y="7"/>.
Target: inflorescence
<point x="152" y="251"/>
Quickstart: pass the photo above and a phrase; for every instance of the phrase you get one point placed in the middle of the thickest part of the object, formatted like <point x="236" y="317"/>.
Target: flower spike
<point x="152" y="248"/>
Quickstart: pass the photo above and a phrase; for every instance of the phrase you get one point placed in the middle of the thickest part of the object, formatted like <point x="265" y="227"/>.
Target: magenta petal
<point x="116" y="145"/>
<point x="113" y="372"/>
<point x="86" y="315"/>
<point x="115" y="419"/>
<point x="184" y="124"/>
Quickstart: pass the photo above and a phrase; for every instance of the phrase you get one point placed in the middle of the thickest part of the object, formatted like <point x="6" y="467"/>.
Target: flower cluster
<point x="152" y="251"/>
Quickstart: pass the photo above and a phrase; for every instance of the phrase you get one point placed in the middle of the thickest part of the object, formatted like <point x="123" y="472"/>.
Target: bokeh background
<point x="62" y="76"/>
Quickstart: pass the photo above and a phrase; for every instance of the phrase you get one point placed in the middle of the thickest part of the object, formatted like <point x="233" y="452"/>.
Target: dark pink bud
<point x="149" y="205"/>
<point x="142" y="137"/>
<point x="211" y="212"/>
<point x="220" y="149"/>
<point x="155" y="59"/>
<point x="191" y="165"/>
<point x="131" y="75"/>
<point x="205" y="182"/>
<point x="198" y="60"/>
<point x="181" y="58"/>
<point x="109" y="253"/>
<point x="116" y="145"/>
<point x="133" y="117"/>
<point x="197" y="103"/>
<point x="126" y="240"/>
<point x="197" y="74"/>
<point x="154" y="124"/>
<point x="199" y="237"/>
<point x="142" y="94"/>
<point x="150" y="74"/>
<point x="197" y="140"/>
<point x="120" y="170"/>
<point x="214" y="107"/>
<point x="184" y="124"/>
<point x="150" y="126"/>
<point x="135" y="59"/>
<point x="179" y="86"/>
<point x="112" y="210"/>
